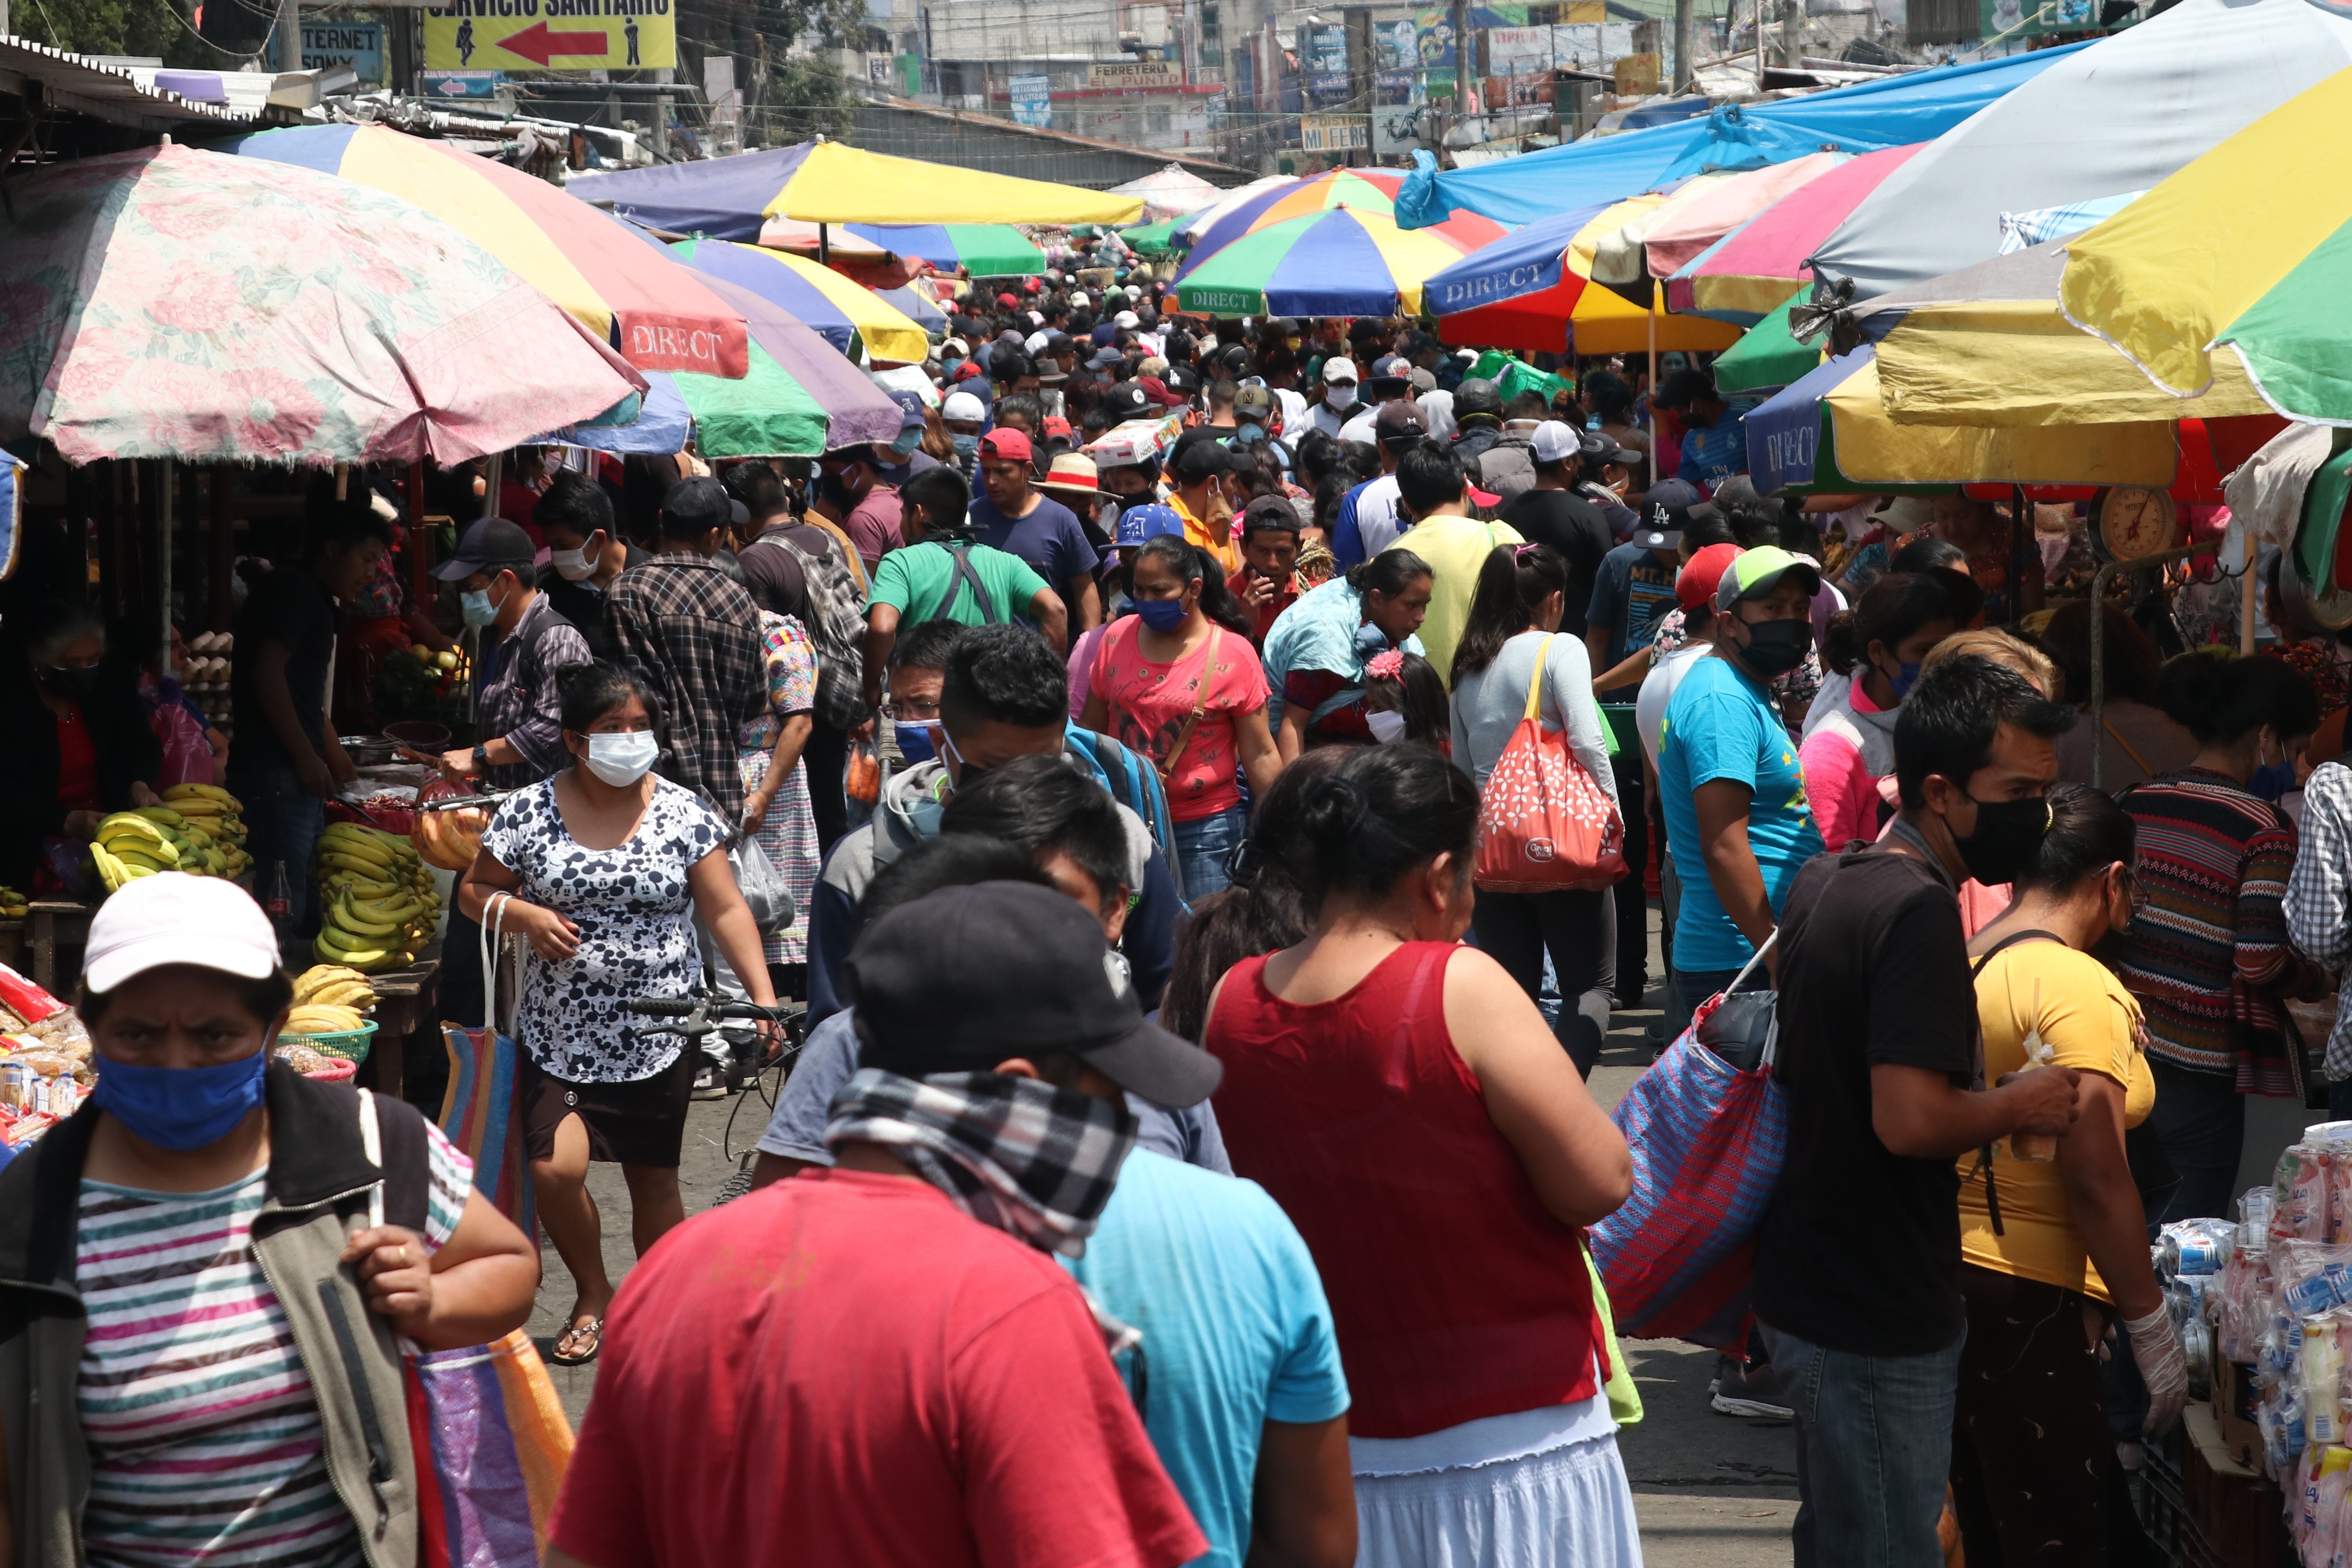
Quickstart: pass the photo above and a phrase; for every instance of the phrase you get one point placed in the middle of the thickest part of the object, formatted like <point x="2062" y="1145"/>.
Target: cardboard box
<point x="2234" y="1398"/>
<point x="2238" y="1513"/>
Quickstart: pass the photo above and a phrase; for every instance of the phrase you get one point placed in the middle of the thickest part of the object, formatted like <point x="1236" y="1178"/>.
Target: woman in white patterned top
<point x="232" y="1228"/>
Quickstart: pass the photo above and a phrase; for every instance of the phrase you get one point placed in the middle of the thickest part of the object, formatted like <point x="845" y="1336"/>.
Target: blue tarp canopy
<point x="1894" y="112"/>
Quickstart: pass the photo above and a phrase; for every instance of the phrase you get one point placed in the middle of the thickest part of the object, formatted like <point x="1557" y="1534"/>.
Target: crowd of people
<point x="1188" y="1155"/>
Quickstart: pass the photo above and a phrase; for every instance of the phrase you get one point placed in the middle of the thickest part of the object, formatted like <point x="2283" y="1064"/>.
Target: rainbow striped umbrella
<point x="1534" y="290"/>
<point x="1369" y="192"/>
<point x="1741" y="277"/>
<point x="654" y="311"/>
<point x="1342" y="262"/>
<point x="822" y="300"/>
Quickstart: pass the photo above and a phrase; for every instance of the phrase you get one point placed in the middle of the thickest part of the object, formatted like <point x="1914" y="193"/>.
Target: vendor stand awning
<point x="654" y="311"/>
<point x="177" y="304"/>
<point x="2120" y="114"/>
<point x="820" y="299"/>
<point x="1534" y="290"/>
<point x="1671" y="241"/>
<point x="1169" y="192"/>
<point x="825" y="181"/>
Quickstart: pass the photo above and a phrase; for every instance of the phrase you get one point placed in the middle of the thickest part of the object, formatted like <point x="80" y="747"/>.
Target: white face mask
<point x="621" y="760"/>
<point x="573" y="565"/>
<point x="1339" y="394"/>
<point x="1387" y="725"/>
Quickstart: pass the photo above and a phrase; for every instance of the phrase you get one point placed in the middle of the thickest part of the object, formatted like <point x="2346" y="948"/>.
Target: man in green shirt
<point x="942" y="574"/>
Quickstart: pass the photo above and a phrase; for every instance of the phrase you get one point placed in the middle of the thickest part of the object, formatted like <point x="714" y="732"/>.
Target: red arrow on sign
<point x="536" y="43"/>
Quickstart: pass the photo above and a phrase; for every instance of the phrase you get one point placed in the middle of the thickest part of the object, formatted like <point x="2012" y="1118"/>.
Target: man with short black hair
<point x="921" y="1338"/>
<point x="943" y="573"/>
<point x="1454" y="545"/>
<point x="1268" y="582"/>
<point x="1002" y="694"/>
<point x="1551" y="513"/>
<point x="1198" y="463"/>
<point x="694" y="632"/>
<point x="1857" y="1267"/>
<point x="586" y="553"/>
<point x="1714" y="437"/>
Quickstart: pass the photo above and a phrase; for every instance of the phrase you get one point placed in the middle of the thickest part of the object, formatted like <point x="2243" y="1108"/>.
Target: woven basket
<point x="351" y="1045"/>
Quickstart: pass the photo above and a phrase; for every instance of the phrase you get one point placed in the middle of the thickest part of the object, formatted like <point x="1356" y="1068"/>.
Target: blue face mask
<point x="2271" y="781"/>
<point x="947" y="363"/>
<point x="908" y="439"/>
<point x="966" y="446"/>
<point x="1160" y="614"/>
<point x="181" y="1108"/>
<point x="1370" y="641"/>
<point x="914" y="742"/>
<point x="1905" y="680"/>
<point x="477" y="608"/>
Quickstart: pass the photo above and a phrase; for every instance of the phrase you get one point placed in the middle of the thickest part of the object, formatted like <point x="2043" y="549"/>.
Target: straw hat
<point x="1072" y="474"/>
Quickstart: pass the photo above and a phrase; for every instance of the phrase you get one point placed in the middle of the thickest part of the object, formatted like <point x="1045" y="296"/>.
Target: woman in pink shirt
<point x="1874" y="652"/>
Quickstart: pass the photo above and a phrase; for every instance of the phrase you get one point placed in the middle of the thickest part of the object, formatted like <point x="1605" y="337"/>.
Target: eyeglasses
<point x="2134" y="893"/>
<point x="912" y="712"/>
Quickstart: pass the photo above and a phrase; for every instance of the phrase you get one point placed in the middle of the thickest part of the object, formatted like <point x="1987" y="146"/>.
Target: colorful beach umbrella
<point x="853" y="409"/>
<point x="1191" y="228"/>
<point x="981" y="249"/>
<point x="1342" y="262"/>
<point x="820" y="299"/>
<point x="171" y="302"/>
<point x="1368" y="190"/>
<point x="653" y="310"/>
<point x="1672" y="240"/>
<point x="825" y="181"/>
<point x="2244" y="254"/>
<point x="918" y="306"/>
<point x="1744" y="275"/>
<point x="1767" y="357"/>
<point x="1534" y="290"/>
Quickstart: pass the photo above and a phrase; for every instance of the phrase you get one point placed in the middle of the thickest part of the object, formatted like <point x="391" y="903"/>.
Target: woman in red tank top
<point x="1403" y="1100"/>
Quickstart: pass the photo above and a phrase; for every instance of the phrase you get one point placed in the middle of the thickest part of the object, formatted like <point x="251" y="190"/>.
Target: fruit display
<point x="377" y="901"/>
<point x="330" y="999"/>
<point x="198" y="829"/>
<point x="418" y="683"/>
<point x="449" y="839"/>
<point x="14" y="905"/>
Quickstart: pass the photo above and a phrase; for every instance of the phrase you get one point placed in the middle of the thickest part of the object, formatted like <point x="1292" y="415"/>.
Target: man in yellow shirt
<point x="1198" y="461"/>
<point x="1432" y="491"/>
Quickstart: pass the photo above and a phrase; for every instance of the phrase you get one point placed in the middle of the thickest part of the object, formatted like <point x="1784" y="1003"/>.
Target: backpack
<point x="1132" y="782"/>
<point x="959" y="550"/>
<point x="836" y="628"/>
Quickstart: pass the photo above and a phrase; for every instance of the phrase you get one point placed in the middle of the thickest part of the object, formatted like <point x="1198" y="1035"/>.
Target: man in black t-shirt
<point x="1857" y="1267"/>
<point x="1551" y="513"/>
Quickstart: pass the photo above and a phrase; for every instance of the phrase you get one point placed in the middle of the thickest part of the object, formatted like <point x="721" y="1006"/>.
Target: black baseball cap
<point x="692" y="508"/>
<point x="490" y="546"/>
<point x="1399" y="424"/>
<point x="961" y="979"/>
<point x="1594" y="446"/>
<point x="1124" y="400"/>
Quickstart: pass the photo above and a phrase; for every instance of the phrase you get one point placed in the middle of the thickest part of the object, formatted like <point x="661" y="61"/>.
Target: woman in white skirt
<point x="1402" y="1098"/>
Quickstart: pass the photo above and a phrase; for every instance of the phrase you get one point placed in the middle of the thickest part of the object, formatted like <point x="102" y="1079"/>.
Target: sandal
<point x="592" y="1330"/>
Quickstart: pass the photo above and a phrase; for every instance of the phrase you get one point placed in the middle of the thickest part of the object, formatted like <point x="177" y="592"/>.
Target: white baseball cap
<point x="173" y="918"/>
<point x="957" y="344"/>
<point x="1126" y="319"/>
<point x="1037" y="341"/>
<point x="1340" y="370"/>
<point x="963" y="406"/>
<point x="1553" y="441"/>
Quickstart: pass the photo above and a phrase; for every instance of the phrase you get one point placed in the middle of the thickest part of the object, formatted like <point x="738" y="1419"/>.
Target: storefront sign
<point x="1334" y="133"/>
<point x="551" y="35"/>
<point x="359" y="45"/>
<point x="1136" y="76"/>
<point x="1033" y="99"/>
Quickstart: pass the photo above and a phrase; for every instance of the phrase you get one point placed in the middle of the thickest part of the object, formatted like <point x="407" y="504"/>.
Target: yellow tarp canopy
<point x="1871" y="448"/>
<point x="842" y="185"/>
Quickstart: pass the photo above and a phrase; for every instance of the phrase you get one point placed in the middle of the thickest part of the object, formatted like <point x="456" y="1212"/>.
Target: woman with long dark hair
<point x="1510" y="645"/>
<point x="1400" y="1097"/>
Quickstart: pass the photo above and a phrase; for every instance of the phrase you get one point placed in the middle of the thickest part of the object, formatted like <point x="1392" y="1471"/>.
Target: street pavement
<point x="1713" y="1491"/>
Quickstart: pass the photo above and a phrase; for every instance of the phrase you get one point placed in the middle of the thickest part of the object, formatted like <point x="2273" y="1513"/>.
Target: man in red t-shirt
<point x="879" y="1364"/>
<point x="1268" y="582"/>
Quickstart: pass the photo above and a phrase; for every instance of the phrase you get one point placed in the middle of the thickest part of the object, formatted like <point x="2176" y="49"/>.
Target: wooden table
<point x="53" y="921"/>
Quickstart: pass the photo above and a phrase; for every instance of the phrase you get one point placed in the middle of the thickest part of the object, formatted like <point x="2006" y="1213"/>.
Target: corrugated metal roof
<point x="110" y="94"/>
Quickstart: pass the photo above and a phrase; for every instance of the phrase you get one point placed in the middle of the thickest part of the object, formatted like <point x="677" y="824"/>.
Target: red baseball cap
<point x="1696" y="585"/>
<point x="1007" y="300"/>
<point x="1056" y="426"/>
<point x="1030" y="285"/>
<point x="1011" y="445"/>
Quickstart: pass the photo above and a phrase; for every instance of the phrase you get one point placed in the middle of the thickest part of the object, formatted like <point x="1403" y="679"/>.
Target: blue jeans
<point x="281" y="827"/>
<point x="1201" y="847"/>
<point x="2201" y="1120"/>
<point x="1685" y="990"/>
<point x="1873" y="1450"/>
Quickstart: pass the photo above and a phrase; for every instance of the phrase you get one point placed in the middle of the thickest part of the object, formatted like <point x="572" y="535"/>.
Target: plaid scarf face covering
<point x="1017" y="1153"/>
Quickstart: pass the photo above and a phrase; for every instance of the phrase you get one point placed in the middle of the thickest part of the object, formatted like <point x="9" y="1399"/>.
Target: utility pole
<point x="1685" y="49"/>
<point x="289" y="35"/>
<point x="1792" y="33"/>
<point x="1461" y="45"/>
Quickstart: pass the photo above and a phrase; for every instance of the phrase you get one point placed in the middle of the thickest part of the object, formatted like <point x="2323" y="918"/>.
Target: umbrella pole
<point x="1657" y="288"/>
<point x="420" y="589"/>
<point x="163" y="570"/>
<point x="2248" y="600"/>
<point x="823" y="244"/>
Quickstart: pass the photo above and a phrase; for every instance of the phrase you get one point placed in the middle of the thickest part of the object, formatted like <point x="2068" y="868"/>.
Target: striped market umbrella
<point x="654" y="311"/>
<point x="828" y="304"/>
<point x="2243" y="256"/>
<point x="1744" y="275"/>
<point x="1369" y="192"/>
<point x="1534" y="290"/>
<point x="1340" y="262"/>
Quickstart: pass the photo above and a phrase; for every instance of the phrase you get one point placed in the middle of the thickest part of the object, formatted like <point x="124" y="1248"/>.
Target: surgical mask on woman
<point x="1160" y="614"/>
<point x="1386" y="724"/>
<point x="622" y="759"/>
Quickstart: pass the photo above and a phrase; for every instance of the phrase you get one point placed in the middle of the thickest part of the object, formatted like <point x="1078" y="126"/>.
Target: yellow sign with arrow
<point x="551" y="35"/>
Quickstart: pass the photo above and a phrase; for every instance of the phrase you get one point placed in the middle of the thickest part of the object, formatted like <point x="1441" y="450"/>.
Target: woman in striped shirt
<point x="190" y="1267"/>
<point x="2209" y="959"/>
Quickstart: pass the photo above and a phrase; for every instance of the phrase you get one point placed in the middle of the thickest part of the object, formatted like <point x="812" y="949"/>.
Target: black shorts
<point x="641" y="1122"/>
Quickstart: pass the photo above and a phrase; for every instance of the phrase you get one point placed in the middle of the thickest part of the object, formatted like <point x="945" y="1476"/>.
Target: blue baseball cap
<point x="1137" y="523"/>
<point x="911" y="409"/>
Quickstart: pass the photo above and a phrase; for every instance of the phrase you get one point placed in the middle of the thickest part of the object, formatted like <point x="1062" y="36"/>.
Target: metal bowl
<point x="421" y="733"/>
<point x="368" y="751"/>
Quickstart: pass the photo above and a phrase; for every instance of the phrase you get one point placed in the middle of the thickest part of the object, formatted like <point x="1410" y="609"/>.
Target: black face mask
<point x="78" y="682"/>
<point x="1776" y="648"/>
<point x="2008" y="840"/>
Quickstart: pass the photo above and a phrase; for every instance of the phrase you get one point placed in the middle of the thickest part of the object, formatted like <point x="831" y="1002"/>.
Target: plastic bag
<point x="763" y="886"/>
<point x="864" y="781"/>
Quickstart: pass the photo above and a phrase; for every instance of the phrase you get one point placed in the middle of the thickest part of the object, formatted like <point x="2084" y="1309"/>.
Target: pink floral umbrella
<point x="171" y="302"/>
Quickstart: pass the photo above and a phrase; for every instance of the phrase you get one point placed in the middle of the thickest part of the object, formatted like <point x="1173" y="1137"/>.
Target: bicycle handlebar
<point x="703" y="1006"/>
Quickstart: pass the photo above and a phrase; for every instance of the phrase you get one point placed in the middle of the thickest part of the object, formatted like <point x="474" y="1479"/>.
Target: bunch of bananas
<point x="199" y="833"/>
<point x="198" y="829"/>
<point x="377" y="904"/>
<point x="330" y="999"/>
<point x="14" y="905"/>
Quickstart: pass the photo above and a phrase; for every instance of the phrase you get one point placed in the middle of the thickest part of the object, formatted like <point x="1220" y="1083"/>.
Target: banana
<point x="132" y="860"/>
<point x="321" y="978"/>
<point x="163" y="815"/>
<point x="343" y="919"/>
<point x="350" y="849"/>
<point x="337" y="860"/>
<point x="109" y="869"/>
<point x="323" y="1021"/>
<point x="130" y="824"/>
<point x="355" y="994"/>
<point x="386" y="909"/>
<point x="146" y="852"/>
<point x="195" y="810"/>
<point x="199" y="791"/>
